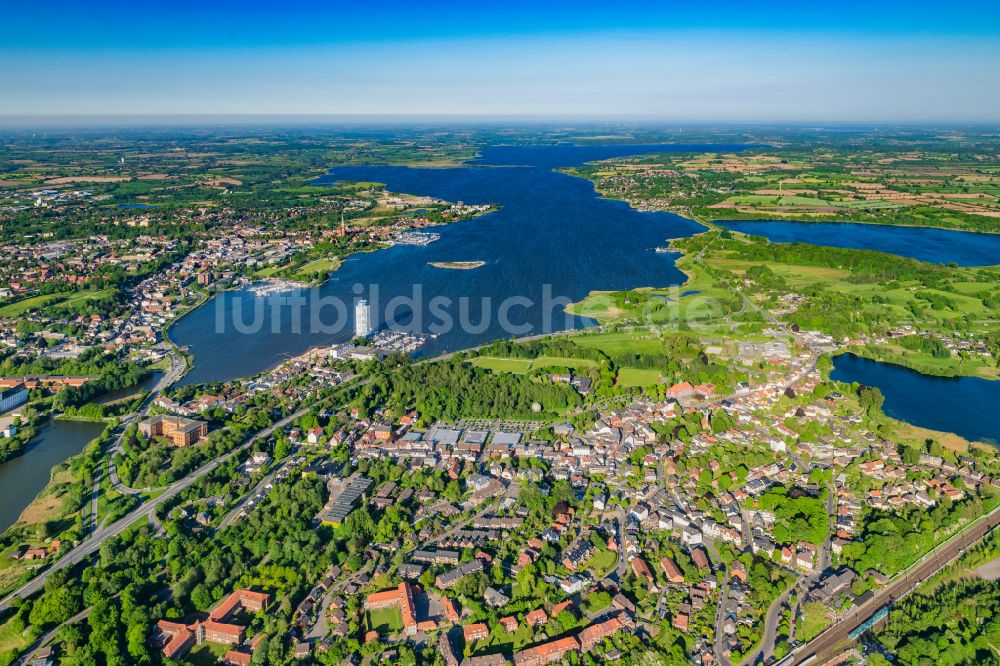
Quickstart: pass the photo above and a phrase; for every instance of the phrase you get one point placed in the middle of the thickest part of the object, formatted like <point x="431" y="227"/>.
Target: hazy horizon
<point x="348" y="121"/>
<point x="892" y="62"/>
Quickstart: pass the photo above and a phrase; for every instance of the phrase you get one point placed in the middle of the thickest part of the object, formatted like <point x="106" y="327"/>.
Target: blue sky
<point x="730" y="61"/>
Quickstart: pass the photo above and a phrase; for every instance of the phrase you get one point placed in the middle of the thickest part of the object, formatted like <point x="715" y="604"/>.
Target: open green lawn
<point x="699" y="298"/>
<point x="90" y="295"/>
<point x="928" y="364"/>
<point x="603" y="562"/>
<point x="516" y="365"/>
<point x="622" y="343"/>
<point x="963" y="300"/>
<point x="267" y="272"/>
<point x="813" y="620"/>
<point x="768" y="200"/>
<point x="20" y="307"/>
<point x="500" y="639"/>
<point x="796" y="275"/>
<point x="206" y="654"/>
<point x="870" y="205"/>
<point x="562" y="361"/>
<point x="11" y="638"/>
<point x="322" y="264"/>
<point x="637" y="377"/>
<point x="971" y="287"/>
<point x="385" y="621"/>
<point x="522" y="365"/>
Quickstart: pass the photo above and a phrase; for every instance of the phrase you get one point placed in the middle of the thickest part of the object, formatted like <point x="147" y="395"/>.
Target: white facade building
<point x="12" y="397"/>
<point x="363" y="319"/>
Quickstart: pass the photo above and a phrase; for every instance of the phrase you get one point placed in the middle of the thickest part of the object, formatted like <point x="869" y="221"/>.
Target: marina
<point x="274" y="286"/>
<point x="419" y="238"/>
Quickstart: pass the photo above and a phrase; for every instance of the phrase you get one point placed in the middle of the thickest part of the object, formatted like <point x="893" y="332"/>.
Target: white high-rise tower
<point x="363" y="319"/>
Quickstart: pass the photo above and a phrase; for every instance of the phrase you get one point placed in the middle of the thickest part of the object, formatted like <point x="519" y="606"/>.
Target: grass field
<point x="769" y="200"/>
<point x="385" y="621"/>
<point x="814" y="620"/>
<point x="499" y="638"/>
<point x="952" y="366"/>
<point x="698" y="299"/>
<point x="521" y="366"/>
<point x="10" y="637"/>
<point x="562" y="361"/>
<point x="206" y="654"/>
<point x="603" y="562"/>
<point x="797" y="275"/>
<point x="317" y="265"/>
<point x="20" y="307"/>
<point x="963" y="304"/>
<point x="622" y="343"/>
<point x="267" y="272"/>
<point x="92" y="295"/>
<point x="517" y="366"/>
<point x="637" y="377"/>
<point x="48" y="504"/>
<point x="915" y="436"/>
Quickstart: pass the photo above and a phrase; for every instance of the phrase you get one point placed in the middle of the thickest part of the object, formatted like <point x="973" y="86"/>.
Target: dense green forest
<point x="891" y="542"/>
<point x="431" y="390"/>
<point x="958" y="624"/>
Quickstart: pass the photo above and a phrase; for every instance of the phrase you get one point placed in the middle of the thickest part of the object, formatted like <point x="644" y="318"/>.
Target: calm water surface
<point x="939" y="246"/>
<point x="146" y="384"/>
<point x="552" y="236"/>
<point x="966" y="406"/>
<point x="23" y="477"/>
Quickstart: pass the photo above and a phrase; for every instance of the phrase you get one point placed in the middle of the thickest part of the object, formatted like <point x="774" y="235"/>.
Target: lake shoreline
<point x="964" y="406"/>
<point x="722" y="223"/>
<point x="930" y="245"/>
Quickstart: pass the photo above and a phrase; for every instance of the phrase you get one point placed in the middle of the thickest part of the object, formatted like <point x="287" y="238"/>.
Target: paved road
<point x="178" y="366"/>
<point x="824" y="645"/>
<point x="771" y="621"/>
<point x="147" y="510"/>
<point x="233" y="515"/>
<point x="50" y="635"/>
<point x="319" y="629"/>
<point x="720" y="619"/>
<point x="773" y="617"/>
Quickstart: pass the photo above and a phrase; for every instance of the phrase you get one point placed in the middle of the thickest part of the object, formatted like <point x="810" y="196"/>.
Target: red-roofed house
<point x="450" y="609"/>
<point x="700" y="559"/>
<point x="536" y="617"/>
<point x="235" y="658"/>
<point x="509" y="624"/>
<point x="475" y="632"/>
<point x="559" y="608"/>
<point x="672" y="571"/>
<point x="595" y="633"/>
<point x="546" y="653"/>
<point x="641" y="569"/>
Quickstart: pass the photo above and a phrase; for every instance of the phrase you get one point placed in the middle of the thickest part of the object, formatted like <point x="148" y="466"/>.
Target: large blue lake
<point x="963" y="405"/>
<point x="553" y="241"/>
<point x="939" y="246"/>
